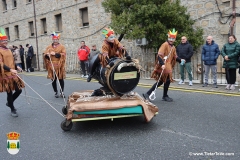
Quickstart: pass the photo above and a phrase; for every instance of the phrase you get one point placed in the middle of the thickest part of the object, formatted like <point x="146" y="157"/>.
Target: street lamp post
<point x="36" y="33"/>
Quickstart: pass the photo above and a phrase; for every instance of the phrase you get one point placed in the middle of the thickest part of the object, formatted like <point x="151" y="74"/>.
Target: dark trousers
<point x="54" y="84"/>
<point x="165" y="87"/>
<point x="23" y="65"/>
<point x="11" y="97"/>
<point x="29" y="62"/>
<point x="84" y="66"/>
<point x="231" y="75"/>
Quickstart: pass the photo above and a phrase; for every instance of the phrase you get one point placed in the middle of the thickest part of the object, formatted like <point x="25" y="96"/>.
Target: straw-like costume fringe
<point x="8" y="79"/>
<point x="164" y="50"/>
<point x="58" y="63"/>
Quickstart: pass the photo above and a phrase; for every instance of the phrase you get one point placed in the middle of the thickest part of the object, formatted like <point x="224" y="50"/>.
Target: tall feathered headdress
<point x="172" y="34"/>
<point x="55" y="36"/>
<point x="3" y="34"/>
<point x="106" y="32"/>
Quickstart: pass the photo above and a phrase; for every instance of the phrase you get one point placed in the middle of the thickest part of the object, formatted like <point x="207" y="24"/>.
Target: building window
<point x="31" y="28"/>
<point x="84" y="16"/>
<point x="7" y="33"/>
<point x="4" y="4"/>
<point x="14" y="3"/>
<point x="44" y="26"/>
<point x="58" y="22"/>
<point x="28" y="1"/>
<point x="16" y="32"/>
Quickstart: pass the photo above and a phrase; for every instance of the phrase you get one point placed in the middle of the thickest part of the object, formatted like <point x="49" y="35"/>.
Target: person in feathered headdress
<point x="9" y="81"/>
<point x="54" y="58"/>
<point x="111" y="47"/>
<point x="165" y="62"/>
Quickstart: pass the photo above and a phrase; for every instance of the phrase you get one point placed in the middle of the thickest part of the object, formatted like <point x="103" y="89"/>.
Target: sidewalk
<point x="149" y="82"/>
<point x="194" y="87"/>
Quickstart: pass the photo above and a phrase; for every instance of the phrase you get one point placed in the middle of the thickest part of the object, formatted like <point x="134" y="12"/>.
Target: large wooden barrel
<point x="120" y="76"/>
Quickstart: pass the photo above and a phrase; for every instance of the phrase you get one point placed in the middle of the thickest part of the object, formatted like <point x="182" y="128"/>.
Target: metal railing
<point x="147" y="57"/>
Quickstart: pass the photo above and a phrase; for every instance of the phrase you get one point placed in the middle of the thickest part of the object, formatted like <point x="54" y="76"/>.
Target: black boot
<point x="56" y="94"/>
<point x="14" y="112"/>
<point x="9" y="106"/>
<point x="146" y="96"/>
<point x="89" y="78"/>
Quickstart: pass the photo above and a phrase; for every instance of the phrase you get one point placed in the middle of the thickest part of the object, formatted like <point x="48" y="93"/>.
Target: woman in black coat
<point x="21" y="49"/>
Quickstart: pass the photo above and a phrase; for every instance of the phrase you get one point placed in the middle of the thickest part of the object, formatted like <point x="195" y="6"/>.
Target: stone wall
<point x="204" y="12"/>
<point x="72" y="30"/>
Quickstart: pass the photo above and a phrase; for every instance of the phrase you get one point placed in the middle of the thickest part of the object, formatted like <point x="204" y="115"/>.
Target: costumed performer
<point x="56" y="53"/>
<point x="9" y="81"/>
<point x="111" y="47"/>
<point x="166" y="50"/>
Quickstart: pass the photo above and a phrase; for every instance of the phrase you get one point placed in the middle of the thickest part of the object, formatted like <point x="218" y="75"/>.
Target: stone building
<point x="78" y="20"/>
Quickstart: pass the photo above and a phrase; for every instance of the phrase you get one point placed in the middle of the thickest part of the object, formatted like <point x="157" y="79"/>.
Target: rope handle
<point x="153" y="94"/>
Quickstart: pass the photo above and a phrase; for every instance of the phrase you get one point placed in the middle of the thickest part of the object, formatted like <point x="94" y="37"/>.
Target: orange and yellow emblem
<point x="13" y="142"/>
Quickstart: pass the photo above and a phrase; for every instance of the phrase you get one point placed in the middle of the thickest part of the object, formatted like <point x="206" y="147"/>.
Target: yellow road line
<point x="148" y="86"/>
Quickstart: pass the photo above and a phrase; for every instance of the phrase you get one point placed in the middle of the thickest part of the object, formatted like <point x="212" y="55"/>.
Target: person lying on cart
<point x="111" y="47"/>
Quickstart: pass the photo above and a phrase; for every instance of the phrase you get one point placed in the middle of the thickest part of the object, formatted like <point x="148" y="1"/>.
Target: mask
<point x="171" y="39"/>
<point x="55" y="40"/>
<point x="110" y="38"/>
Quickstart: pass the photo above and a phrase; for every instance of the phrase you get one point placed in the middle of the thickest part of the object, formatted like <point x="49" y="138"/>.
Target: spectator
<point x="239" y="67"/>
<point x="93" y="52"/>
<point x="11" y="48"/>
<point x="21" y="50"/>
<point x="185" y="51"/>
<point x="17" y="57"/>
<point x="230" y="53"/>
<point x="30" y="55"/>
<point x="83" y="53"/>
<point x="210" y="53"/>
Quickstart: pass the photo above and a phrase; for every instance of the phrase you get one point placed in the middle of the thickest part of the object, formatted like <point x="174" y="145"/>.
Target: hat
<point x="55" y="36"/>
<point x="172" y="34"/>
<point x="3" y="34"/>
<point x="106" y="32"/>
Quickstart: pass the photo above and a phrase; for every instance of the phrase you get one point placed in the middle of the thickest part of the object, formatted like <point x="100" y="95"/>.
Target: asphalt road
<point x="194" y="126"/>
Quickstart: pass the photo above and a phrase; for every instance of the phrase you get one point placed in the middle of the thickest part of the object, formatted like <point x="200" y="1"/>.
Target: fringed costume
<point x="55" y="60"/>
<point x="9" y="81"/>
<point x="165" y="50"/>
<point x="167" y="58"/>
<point x="111" y="48"/>
<point x="7" y="78"/>
<point x="114" y="49"/>
<point x="58" y="63"/>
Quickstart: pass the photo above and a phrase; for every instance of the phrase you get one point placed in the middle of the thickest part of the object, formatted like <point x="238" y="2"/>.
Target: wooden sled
<point x="82" y="107"/>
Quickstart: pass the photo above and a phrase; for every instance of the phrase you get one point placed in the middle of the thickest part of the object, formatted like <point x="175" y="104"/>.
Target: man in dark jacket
<point x="30" y="55"/>
<point x="185" y="51"/>
<point x="93" y="52"/>
<point x="210" y="53"/>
